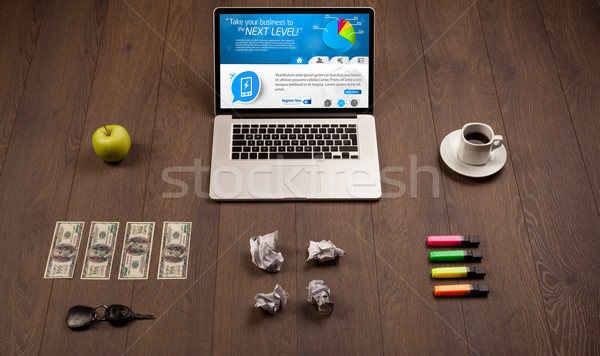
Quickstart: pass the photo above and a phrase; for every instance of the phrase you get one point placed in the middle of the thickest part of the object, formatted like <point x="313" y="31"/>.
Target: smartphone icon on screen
<point x="246" y="89"/>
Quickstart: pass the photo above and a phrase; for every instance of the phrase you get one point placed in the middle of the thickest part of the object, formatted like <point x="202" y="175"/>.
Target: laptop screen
<point x="293" y="60"/>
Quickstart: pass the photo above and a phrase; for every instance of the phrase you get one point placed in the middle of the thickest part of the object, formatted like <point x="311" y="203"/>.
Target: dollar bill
<point x="135" y="259"/>
<point x="100" y="250"/>
<point x="64" y="249"/>
<point x="174" y="250"/>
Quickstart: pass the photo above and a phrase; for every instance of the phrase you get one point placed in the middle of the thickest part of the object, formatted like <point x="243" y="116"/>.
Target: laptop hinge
<point x="295" y="115"/>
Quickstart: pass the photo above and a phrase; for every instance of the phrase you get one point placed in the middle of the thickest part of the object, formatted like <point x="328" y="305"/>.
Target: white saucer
<point x="448" y="150"/>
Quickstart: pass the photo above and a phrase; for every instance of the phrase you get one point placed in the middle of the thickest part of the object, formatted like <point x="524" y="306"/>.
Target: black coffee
<point x="477" y="138"/>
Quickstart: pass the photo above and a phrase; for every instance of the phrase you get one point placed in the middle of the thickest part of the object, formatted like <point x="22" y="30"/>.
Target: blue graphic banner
<point x="291" y="38"/>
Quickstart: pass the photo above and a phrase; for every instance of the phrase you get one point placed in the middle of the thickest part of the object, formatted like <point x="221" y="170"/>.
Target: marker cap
<point x="473" y="256"/>
<point x="475" y="272"/>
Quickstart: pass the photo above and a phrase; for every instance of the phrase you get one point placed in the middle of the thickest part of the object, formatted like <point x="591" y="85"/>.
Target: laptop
<point x="294" y="105"/>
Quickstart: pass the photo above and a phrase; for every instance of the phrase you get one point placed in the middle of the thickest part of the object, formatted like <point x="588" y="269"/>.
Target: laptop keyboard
<point x="294" y="141"/>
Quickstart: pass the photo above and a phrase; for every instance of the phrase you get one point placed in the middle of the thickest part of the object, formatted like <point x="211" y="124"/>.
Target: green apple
<point x="111" y="142"/>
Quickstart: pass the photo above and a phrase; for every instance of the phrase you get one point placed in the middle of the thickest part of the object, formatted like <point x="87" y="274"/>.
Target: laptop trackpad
<point x="284" y="181"/>
<point x="298" y="181"/>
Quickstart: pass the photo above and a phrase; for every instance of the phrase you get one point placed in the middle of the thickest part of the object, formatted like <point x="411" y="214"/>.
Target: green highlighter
<point x="455" y="256"/>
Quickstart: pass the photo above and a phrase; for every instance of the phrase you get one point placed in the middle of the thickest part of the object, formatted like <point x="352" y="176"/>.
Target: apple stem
<point x="107" y="130"/>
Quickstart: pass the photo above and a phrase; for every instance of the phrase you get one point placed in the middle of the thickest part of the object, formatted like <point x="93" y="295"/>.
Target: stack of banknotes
<point x="135" y="255"/>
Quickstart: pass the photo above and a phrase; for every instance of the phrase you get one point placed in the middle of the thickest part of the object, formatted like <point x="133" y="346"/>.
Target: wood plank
<point x="355" y="326"/>
<point x="181" y="150"/>
<point x="573" y="29"/>
<point x="413" y="203"/>
<point x="154" y="15"/>
<point x="560" y="212"/>
<point x="125" y="91"/>
<point x="19" y="28"/>
<point x="191" y="40"/>
<point x="462" y="90"/>
<point x="238" y="326"/>
<point x="40" y="161"/>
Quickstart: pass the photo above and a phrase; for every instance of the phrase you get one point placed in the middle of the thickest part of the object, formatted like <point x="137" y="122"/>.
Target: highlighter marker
<point x="458" y="272"/>
<point x="474" y="290"/>
<point x="455" y="255"/>
<point x="453" y="240"/>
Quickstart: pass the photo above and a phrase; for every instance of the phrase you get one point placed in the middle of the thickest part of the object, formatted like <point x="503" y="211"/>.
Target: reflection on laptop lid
<point x="293" y="61"/>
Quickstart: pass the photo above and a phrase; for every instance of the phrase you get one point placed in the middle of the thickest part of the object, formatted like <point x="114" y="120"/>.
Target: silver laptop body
<point x="293" y="97"/>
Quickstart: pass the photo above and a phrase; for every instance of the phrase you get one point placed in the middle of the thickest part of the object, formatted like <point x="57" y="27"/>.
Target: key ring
<point x="95" y="317"/>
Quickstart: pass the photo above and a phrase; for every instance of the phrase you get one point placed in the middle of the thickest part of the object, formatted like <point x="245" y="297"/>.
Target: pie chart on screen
<point x="339" y="35"/>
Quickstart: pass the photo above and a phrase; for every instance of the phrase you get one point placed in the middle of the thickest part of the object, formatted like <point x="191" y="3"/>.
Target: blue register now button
<point x="352" y="91"/>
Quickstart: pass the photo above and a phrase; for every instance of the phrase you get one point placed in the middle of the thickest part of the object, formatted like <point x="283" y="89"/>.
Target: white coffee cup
<point x="477" y="141"/>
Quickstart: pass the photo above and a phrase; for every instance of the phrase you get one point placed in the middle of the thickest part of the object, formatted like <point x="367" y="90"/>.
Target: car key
<point x="81" y="316"/>
<point x="118" y="314"/>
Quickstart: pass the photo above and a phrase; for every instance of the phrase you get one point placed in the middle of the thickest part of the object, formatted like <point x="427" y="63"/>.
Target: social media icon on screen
<point x="245" y="87"/>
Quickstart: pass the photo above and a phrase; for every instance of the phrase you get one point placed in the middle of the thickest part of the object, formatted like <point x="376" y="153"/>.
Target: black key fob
<point x="80" y="316"/>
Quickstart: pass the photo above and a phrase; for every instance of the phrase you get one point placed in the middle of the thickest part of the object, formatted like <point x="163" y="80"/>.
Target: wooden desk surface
<point x="528" y="68"/>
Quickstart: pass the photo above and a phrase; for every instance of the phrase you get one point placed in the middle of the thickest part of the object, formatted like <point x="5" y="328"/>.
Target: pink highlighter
<point x="453" y="240"/>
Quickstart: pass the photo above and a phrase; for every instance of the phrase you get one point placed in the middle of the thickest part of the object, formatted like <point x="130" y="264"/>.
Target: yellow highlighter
<point x="458" y="272"/>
